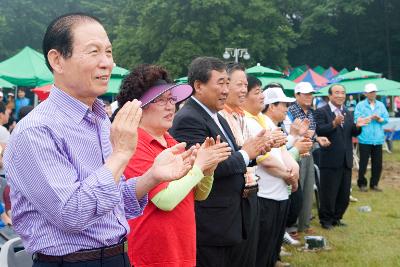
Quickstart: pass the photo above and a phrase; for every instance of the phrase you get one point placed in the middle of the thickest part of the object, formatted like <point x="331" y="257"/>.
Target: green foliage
<point x="173" y="33"/>
<point x="339" y="33"/>
<point x="342" y="33"/>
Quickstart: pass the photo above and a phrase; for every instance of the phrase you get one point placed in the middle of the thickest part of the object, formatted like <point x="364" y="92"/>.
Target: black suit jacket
<point x="219" y="217"/>
<point x="340" y="153"/>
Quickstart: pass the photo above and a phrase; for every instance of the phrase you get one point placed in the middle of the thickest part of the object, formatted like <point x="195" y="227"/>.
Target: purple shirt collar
<point x="74" y="108"/>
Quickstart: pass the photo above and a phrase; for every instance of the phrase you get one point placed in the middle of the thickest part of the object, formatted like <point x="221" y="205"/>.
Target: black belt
<point x="85" y="255"/>
<point x="249" y="190"/>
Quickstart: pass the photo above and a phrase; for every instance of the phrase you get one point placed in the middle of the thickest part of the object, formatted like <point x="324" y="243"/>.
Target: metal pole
<point x="236" y="51"/>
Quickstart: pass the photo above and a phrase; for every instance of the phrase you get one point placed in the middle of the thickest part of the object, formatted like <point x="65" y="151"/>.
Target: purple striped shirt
<point x="63" y="198"/>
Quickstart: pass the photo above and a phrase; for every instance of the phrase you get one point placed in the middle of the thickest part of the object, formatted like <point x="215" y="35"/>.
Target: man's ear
<point x="55" y="60"/>
<point x="197" y="86"/>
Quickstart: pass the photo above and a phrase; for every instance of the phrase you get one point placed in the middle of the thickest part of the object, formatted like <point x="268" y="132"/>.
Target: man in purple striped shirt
<point x="64" y="164"/>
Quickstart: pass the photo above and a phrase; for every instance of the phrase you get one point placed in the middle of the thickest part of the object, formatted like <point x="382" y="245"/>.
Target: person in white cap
<point x="371" y="138"/>
<point x="276" y="170"/>
<point x="302" y="109"/>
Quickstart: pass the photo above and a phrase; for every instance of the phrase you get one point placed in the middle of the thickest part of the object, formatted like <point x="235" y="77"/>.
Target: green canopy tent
<point x="302" y="67"/>
<point x="357" y="74"/>
<point x="287" y="84"/>
<point x="319" y="69"/>
<point x="181" y="80"/>
<point x="114" y="84"/>
<point x="117" y="76"/>
<point x="267" y="76"/>
<point x="259" y="70"/>
<point x="295" y="73"/>
<point x="5" y="84"/>
<point x="26" y="68"/>
<point x="393" y="92"/>
<point x="118" y="71"/>
<point x="343" y="71"/>
<point x="357" y="86"/>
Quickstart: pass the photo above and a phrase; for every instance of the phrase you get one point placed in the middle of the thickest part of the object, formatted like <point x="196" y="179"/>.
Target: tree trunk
<point x="387" y="40"/>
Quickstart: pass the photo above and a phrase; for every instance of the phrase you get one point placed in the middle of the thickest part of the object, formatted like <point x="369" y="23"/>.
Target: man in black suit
<point x="220" y="222"/>
<point x="337" y="124"/>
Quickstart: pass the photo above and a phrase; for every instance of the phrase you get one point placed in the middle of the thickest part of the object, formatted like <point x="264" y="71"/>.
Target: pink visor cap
<point x="180" y="91"/>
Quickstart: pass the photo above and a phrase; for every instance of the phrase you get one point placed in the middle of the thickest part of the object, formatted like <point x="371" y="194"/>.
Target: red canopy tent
<point x="312" y="77"/>
<point x="42" y="92"/>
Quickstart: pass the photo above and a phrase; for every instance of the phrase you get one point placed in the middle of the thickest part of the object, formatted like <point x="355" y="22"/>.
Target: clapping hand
<point x="376" y="117"/>
<point x="323" y="141"/>
<point x="295" y="127"/>
<point x="305" y="125"/>
<point x="293" y="178"/>
<point x="256" y="145"/>
<point x="210" y="154"/>
<point x="299" y="127"/>
<point x="173" y="163"/>
<point x="303" y="145"/>
<point x="363" y="121"/>
<point x="123" y="133"/>
<point x="339" y="120"/>
<point x="309" y="134"/>
<point x="290" y="177"/>
<point x="279" y="137"/>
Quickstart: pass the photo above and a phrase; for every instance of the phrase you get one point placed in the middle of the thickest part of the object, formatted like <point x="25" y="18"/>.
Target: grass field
<point x="370" y="239"/>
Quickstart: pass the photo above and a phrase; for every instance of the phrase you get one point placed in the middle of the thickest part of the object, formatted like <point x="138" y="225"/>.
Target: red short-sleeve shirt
<point x="160" y="238"/>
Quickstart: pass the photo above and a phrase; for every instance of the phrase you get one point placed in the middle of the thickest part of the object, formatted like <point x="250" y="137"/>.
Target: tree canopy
<point x="277" y="33"/>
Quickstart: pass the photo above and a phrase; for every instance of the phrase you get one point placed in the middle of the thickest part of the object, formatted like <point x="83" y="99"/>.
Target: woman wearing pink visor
<point x="165" y="235"/>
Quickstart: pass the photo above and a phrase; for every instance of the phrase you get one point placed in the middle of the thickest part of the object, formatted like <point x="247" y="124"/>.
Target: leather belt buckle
<point x="125" y="246"/>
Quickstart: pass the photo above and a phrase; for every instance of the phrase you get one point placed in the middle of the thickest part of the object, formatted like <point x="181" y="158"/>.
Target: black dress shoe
<point x="327" y="226"/>
<point x="339" y="224"/>
<point x="363" y="189"/>
<point x="376" y="189"/>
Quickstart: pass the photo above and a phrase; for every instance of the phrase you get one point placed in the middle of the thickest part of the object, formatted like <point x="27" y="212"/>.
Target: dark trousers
<point x="273" y="216"/>
<point x="244" y="254"/>
<point x="119" y="260"/>
<point x="214" y="256"/>
<point x="375" y="151"/>
<point x="295" y="204"/>
<point x="334" y="194"/>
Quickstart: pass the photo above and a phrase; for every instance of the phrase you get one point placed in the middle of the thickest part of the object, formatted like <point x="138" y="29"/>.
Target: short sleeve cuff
<point x="261" y="158"/>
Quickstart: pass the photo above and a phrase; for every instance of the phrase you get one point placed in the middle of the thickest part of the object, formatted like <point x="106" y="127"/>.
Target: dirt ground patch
<point x="390" y="174"/>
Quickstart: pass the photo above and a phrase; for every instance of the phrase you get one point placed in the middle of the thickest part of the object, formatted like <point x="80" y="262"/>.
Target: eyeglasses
<point x="163" y="101"/>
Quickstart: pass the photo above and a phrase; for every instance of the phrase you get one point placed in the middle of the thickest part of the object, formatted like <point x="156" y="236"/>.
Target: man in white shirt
<point x="277" y="170"/>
